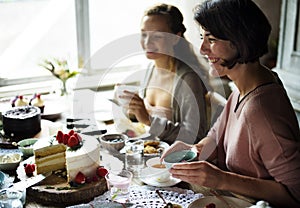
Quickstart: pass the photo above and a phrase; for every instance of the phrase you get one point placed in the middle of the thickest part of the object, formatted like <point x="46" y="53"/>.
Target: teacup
<point x="160" y="171"/>
<point x="179" y="157"/>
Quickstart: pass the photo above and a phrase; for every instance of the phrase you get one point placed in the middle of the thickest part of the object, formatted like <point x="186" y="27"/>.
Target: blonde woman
<point x="173" y="101"/>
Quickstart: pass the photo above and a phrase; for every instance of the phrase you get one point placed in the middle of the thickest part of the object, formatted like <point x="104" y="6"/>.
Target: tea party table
<point x="143" y="192"/>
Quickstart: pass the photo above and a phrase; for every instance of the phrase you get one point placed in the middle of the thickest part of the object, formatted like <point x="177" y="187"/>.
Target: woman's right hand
<point x="176" y="146"/>
<point x="137" y="107"/>
<point x="206" y="149"/>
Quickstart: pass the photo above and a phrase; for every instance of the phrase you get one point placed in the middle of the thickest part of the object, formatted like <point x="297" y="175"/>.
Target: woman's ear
<point x="179" y="34"/>
<point x="177" y="38"/>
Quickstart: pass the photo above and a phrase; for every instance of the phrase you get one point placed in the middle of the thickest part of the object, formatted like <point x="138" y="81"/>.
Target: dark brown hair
<point x="239" y="21"/>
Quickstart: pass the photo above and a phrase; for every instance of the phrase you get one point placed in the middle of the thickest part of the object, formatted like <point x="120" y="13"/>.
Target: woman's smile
<point x="213" y="60"/>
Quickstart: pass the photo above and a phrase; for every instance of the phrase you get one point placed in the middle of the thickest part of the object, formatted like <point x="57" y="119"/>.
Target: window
<point x="39" y="29"/>
<point x="289" y="51"/>
<point x="34" y="30"/>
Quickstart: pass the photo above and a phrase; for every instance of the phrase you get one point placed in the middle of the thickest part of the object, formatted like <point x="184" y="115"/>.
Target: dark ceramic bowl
<point x="113" y="141"/>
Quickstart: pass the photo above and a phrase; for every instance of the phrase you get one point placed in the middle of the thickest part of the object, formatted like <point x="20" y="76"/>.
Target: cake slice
<point x="50" y="158"/>
<point x="53" y="154"/>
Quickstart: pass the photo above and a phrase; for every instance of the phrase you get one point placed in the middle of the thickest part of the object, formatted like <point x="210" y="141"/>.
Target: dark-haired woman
<point x="174" y="92"/>
<point x="255" y="142"/>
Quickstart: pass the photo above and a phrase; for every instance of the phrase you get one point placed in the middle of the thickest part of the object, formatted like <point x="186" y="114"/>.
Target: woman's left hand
<point x="137" y="107"/>
<point x="201" y="173"/>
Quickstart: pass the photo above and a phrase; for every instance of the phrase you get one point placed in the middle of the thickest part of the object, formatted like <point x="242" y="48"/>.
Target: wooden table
<point x="30" y="201"/>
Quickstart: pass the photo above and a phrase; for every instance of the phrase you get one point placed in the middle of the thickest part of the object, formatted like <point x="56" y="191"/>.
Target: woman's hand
<point x="205" y="149"/>
<point x="136" y="107"/>
<point x="201" y="173"/>
<point x="176" y="146"/>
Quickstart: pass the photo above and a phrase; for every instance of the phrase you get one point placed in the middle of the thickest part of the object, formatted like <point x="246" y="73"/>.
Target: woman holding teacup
<point x="253" y="149"/>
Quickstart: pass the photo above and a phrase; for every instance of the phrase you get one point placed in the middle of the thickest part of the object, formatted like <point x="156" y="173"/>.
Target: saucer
<point x="152" y="182"/>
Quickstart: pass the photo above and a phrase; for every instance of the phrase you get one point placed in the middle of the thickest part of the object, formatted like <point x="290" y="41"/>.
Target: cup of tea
<point x="159" y="170"/>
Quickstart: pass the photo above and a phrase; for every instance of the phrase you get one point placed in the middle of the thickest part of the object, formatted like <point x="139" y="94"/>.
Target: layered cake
<point x="78" y="157"/>
<point x="22" y="122"/>
<point x="77" y="153"/>
<point x="50" y="158"/>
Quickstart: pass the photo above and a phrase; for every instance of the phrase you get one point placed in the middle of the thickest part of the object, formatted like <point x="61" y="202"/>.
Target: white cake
<point x="50" y="155"/>
<point x="86" y="159"/>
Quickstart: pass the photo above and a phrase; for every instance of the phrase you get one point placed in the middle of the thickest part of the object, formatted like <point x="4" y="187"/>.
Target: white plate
<point x="21" y="170"/>
<point x="153" y="182"/>
<point x="163" y="145"/>
<point x="148" y="177"/>
<point x="234" y="202"/>
<point x="52" y="110"/>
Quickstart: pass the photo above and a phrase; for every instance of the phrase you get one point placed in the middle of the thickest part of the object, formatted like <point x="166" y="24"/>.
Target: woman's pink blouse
<point x="261" y="138"/>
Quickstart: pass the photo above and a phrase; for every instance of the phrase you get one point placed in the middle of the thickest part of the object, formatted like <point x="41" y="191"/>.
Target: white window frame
<point x="83" y="32"/>
<point x="288" y="60"/>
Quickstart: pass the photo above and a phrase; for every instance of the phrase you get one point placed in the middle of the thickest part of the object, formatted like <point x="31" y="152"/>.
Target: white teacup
<point x="160" y="172"/>
<point x="119" y="90"/>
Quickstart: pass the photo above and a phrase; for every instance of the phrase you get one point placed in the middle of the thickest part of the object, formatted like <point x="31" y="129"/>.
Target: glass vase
<point x="63" y="90"/>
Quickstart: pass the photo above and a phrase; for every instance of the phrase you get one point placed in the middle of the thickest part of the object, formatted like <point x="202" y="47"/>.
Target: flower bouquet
<point x="60" y="69"/>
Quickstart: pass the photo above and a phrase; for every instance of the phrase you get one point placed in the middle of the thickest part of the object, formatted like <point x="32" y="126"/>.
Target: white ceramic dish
<point x="153" y="182"/>
<point x="10" y="161"/>
<point x="234" y="202"/>
<point x="21" y="170"/>
<point x="153" y="161"/>
<point x="162" y="145"/>
<point x="54" y="107"/>
<point x="163" y="174"/>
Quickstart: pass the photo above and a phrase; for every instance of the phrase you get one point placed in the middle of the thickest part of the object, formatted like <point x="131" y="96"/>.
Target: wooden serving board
<point x="41" y="193"/>
<point x="51" y="191"/>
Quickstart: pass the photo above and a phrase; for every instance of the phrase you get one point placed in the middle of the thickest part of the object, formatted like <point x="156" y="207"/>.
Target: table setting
<point x="148" y="185"/>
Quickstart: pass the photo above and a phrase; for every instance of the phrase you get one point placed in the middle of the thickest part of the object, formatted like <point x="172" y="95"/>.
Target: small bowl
<point x="179" y="157"/>
<point x="10" y="161"/>
<point x="26" y="146"/>
<point x="113" y="142"/>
